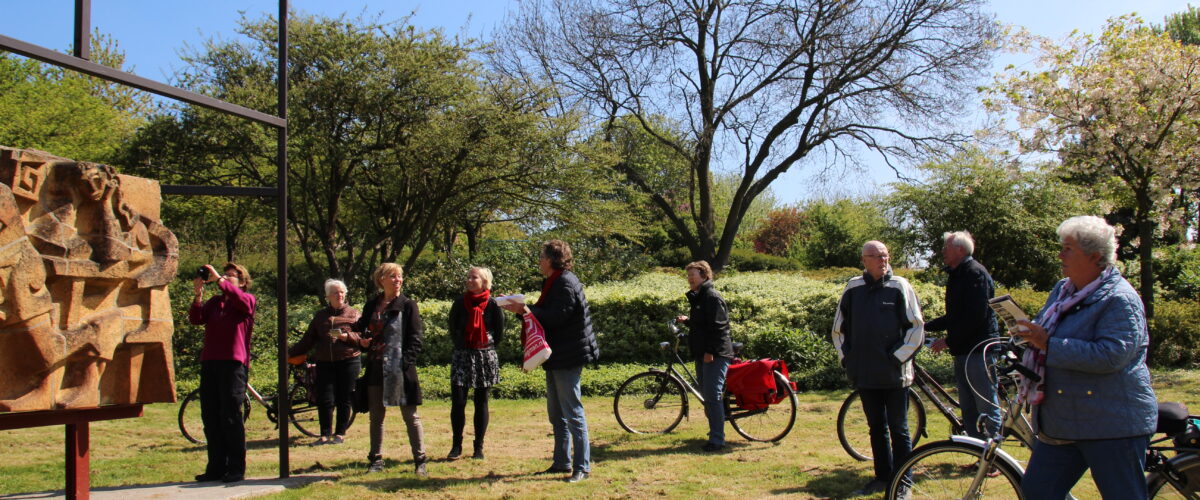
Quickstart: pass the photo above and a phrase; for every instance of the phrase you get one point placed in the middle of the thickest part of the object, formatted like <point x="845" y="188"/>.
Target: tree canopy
<point x="758" y="86"/>
<point x="1123" y="106"/>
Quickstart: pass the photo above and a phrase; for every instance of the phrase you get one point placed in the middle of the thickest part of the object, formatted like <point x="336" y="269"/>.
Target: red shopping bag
<point x="533" y="337"/>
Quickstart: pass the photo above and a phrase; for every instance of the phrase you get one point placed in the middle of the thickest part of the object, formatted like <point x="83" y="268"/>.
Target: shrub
<point x="749" y="260"/>
<point x="1179" y="273"/>
<point x="1175" y="334"/>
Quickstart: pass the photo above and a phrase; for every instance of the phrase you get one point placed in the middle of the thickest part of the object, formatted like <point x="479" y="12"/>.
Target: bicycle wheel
<point x="191" y="425"/>
<point x="855" y="434"/>
<point x="1185" y="469"/>
<point x="303" y="412"/>
<point x="769" y="424"/>
<point x="649" y="403"/>
<point x="946" y="469"/>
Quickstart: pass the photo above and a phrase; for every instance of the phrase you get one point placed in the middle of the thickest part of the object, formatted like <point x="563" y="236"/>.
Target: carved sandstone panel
<point x="85" y="319"/>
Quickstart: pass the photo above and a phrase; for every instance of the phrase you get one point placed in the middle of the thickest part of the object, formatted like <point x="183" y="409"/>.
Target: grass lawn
<point x="809" y="463"/>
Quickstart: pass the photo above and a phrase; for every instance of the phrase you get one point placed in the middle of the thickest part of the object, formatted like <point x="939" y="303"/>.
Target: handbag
<point x="359" y="400"/>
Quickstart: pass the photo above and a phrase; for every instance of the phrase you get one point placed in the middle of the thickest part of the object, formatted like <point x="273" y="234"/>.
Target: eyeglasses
<point x="882" y="256"/>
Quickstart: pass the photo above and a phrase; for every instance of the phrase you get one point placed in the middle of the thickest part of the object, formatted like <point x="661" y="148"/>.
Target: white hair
<point x="960" y="239"/>
<point x="331" y="285"/>
<point x="1093" y="235"/>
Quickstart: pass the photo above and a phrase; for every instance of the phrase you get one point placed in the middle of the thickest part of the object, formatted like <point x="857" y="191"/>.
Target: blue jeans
<point x="712" y="387"/>
<point x="977" y="392"/>
<point x="565" y="409"/>
<point x="1117" y="468"/>
<point x="887" y="417"/>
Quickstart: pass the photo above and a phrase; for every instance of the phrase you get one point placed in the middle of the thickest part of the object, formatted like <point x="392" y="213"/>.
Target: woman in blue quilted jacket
<point x="1094" y="407"/>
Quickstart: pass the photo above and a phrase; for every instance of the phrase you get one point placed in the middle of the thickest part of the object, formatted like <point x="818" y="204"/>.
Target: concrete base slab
<point x="214" y="490"/>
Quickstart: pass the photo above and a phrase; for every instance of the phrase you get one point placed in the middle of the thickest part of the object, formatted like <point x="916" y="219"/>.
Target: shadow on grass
<point x="619" y="450"/>
<point x="407" y="479"/>
<point x="829" y="484"/>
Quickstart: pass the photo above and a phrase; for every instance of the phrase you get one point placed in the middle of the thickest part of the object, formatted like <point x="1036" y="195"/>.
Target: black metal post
<point x="83" y="29"/>
<point x="281" y="239"/>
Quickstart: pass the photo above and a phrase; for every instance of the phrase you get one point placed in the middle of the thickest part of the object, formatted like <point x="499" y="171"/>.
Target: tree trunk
<point x="1145" y="255"/>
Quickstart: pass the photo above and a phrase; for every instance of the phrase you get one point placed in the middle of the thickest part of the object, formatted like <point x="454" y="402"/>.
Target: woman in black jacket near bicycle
<point x="335" y="351"/>
<point x="711" y="346"/>
<point x="476" y="325"/>
<point x="392" y="334"/>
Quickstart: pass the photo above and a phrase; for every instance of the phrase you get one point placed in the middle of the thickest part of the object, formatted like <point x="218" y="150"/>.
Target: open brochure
<point x="504" y="300"/>
<point x="1006" y="308"/>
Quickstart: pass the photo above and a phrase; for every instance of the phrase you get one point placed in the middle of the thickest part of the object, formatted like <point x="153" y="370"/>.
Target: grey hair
<point x="960" y="239"/>
<point x="1093" y="235"/>
<point x="331" y="284"/>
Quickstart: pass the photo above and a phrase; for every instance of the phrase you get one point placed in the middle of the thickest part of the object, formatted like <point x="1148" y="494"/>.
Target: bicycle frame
<point x="937" y="394"/>
<point x="1158" y="465"/>
<point x="690" y="381"/>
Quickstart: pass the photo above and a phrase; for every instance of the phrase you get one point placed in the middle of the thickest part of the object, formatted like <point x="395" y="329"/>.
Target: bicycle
<point x="853" y="431"/>
<point x="302" y="412"/>
<point x="655" y="401"/>
<point x="1180" y="472"/>
<point x="967" y="467"/>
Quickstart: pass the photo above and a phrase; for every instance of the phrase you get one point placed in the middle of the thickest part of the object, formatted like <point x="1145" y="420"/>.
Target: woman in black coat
<point x="562" y="309"/>
<point x="392" y="334"/>
<point x="476" y="325"/>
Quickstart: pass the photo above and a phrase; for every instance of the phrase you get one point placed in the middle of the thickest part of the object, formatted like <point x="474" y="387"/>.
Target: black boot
<point x="478" y="450"/>
<point x="456" y="449"/>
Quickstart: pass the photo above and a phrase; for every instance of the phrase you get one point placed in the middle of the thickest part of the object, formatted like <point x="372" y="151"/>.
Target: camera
<point x="203" y="273"/>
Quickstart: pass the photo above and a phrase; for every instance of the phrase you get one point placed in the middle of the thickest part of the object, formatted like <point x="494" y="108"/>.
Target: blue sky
<point x="152" y="32"/>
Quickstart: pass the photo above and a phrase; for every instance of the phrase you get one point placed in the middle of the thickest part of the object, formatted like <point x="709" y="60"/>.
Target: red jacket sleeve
<point x="238" y="298"/>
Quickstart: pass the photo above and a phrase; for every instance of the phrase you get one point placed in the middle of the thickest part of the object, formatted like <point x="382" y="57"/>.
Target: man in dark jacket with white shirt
<point x="967" y="322"/>
<point x="877" y="332"/>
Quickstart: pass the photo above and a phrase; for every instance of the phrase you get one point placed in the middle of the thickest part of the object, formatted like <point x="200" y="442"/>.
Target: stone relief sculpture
<point x="85" y="319"/>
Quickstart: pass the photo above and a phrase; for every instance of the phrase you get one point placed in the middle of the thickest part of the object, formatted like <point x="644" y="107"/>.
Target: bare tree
<point x="759" y="85"/>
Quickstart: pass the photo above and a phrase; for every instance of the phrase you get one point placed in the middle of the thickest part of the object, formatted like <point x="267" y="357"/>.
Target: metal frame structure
<point x="79" y="61"/>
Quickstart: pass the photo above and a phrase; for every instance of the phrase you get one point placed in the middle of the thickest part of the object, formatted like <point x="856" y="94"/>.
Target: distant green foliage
<point x="1175" y="334"/>
<point x="749" y="260"/>
<point x="833" y="232"/>
<point x="1178" y="272"/>
<point x="1011" y="212"/>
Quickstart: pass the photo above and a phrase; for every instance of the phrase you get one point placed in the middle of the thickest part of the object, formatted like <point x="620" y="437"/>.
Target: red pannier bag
<point x="752" y="383"/>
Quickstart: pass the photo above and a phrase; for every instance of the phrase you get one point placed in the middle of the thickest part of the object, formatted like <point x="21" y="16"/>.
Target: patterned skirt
<point x="475" y="368"/>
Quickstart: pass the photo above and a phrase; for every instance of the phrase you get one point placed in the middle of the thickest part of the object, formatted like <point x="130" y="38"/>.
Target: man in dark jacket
<point x="711" y="346"/>
<point x="967" y="322"/>
<point x="877" y="332"/>
<point x="562" y="310"/>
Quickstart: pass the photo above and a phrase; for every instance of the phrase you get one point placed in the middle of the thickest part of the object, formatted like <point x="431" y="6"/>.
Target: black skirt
<point x="475" y="368"/>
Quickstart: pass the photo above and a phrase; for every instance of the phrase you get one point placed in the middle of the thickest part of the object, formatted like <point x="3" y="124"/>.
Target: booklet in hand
<point x="504" y="300"/>
<point x="1006" y="308"/>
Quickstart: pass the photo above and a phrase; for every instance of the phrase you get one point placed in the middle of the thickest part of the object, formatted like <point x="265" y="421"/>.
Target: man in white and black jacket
<point x="877" y="331"/>
<point x="967" y="322"/>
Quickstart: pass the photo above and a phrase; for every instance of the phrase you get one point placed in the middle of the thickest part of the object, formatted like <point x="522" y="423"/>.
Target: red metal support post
<point x="78" y="461"/>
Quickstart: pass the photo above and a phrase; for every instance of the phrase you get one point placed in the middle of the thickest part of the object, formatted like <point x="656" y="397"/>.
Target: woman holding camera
<point x="228" y="320"/>
<point x="335" y="351"/>
<point x="392" y="333"/>
<point x="476" y="324"/>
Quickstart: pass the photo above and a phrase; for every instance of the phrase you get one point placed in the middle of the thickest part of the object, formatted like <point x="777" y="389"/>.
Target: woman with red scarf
<point x="476" y="327"/>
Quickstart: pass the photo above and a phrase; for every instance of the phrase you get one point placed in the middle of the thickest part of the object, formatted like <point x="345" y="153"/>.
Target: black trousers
<point x="222" y="395"/>
<point x="334" y="389"/>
